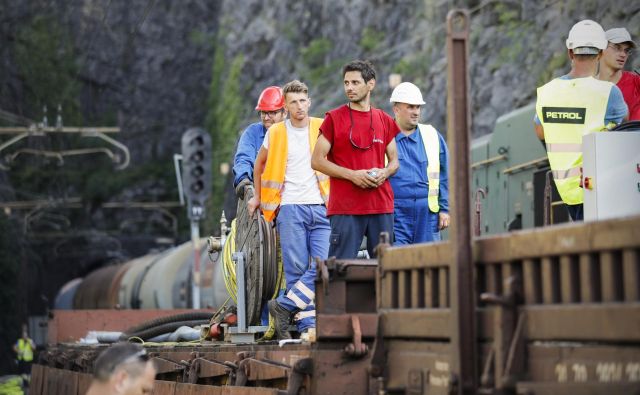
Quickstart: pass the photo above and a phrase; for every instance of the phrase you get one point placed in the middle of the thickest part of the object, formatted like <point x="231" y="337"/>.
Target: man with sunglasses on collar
<point x="123" y="368"/>
<point x="351" y="150"/>
<point x="620" y="46"/>
<point x="271" y="109"/>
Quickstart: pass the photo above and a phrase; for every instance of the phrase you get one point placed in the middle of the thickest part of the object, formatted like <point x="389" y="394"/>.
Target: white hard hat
<point x="406" y="92"/>
<point x="587" y="34"/>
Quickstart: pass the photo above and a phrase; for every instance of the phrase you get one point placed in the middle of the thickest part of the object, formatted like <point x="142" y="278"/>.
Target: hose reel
<point x="256" y="238"/>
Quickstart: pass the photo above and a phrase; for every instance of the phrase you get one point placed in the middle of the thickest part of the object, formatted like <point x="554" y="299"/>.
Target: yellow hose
<point x="228" y="267"/>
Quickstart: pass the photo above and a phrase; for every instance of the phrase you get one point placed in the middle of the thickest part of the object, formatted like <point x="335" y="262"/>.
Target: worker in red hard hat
<point x="271" y="109"/>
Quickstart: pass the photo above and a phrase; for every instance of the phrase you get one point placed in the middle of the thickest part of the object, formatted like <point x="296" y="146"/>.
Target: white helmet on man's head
<point x="406" y="92"/>
<point x="587" y="38"/>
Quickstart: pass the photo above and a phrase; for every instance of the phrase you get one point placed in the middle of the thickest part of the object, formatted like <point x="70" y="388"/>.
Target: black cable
<point x="169" y="327"/>
<point x="191" y="316"/>
<point x="628" y="126"/>
<point x="270" y="265"/>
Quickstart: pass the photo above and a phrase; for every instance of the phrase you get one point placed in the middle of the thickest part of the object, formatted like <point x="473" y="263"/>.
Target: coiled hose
<point x="273" y="272"/>
<point x="228" y="267"/>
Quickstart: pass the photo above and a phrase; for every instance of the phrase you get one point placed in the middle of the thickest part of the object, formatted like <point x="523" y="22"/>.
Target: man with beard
<point x="271" y="109"/>
<point x="351" y="150"/>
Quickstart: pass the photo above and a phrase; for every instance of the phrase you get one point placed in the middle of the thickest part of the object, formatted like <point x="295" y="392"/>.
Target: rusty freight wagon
<point x="553" y="310"/>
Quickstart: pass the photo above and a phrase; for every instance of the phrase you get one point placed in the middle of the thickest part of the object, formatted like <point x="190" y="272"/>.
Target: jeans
<point x="304" y="235"/>
<point x="347" y="232"/>
<point x="576" y="211"/>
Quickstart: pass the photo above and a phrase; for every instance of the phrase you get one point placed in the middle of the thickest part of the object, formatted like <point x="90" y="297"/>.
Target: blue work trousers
<point x="347" y="232"/>
<point x="304" y="235"/>
<point x="414" y="222"/>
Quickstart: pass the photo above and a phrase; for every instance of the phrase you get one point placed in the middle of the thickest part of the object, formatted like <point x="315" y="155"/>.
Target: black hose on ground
<point x="190" y="316"/>
<point x="149" y="333"/>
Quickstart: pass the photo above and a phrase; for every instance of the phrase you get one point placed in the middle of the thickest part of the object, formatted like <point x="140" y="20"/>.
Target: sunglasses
<point x="619" y="48"/>
<point x="373" y="139"/>
<point x="141" y="356"/>
<point x="270" y="114"/>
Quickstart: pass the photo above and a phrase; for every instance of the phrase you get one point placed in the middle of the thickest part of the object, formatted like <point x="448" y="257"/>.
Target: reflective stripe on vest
<point x="431" y="144"/>
<point x="568" y="110"/>
<point x="25" y="352"/>
<point x="271" y="184"/>
<point x="274" y="171"/>
<point x="564" y="174"/>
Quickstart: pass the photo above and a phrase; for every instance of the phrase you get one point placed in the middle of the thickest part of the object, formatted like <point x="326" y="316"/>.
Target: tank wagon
<point x="155" y="281"/>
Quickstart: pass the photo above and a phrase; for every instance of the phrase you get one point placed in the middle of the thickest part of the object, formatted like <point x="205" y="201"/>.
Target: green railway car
<point x="510" y="166"/>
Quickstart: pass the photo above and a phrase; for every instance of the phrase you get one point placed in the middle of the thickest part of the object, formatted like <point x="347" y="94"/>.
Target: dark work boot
<point x="281" y="319"/>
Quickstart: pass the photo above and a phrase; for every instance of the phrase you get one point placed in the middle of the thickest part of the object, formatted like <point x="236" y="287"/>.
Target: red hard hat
<point x="271" y="99"/>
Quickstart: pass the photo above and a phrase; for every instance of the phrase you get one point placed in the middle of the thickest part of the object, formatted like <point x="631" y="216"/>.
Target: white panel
<point x="611" y="161"/>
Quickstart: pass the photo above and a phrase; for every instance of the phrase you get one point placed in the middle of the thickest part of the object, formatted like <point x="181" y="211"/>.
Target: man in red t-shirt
<point x="351" y="149"/>
<point x="612" y="63"/>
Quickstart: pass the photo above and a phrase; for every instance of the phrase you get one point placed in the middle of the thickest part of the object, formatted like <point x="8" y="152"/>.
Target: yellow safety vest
<point x="273" y="174"/>
<point x="568" y="110"/>
<point x="25" y="352"/>
<point x="431" y="144"/>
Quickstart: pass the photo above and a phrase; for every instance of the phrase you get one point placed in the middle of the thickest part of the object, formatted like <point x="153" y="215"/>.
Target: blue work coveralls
<point x="247" y="151"/>
<point x="413" y="221"/>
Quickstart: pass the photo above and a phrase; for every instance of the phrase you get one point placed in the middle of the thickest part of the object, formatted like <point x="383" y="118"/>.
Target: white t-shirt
<point x="300" y="182"/>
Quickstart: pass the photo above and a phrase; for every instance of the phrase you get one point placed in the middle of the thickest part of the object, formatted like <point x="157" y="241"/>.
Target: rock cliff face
<point x="157" y="67"/>
<point x="150" y="63"/>
<point x="515" y="46"/>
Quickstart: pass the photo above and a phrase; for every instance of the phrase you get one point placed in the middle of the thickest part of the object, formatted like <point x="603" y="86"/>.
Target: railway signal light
<point x="196" y="170"/>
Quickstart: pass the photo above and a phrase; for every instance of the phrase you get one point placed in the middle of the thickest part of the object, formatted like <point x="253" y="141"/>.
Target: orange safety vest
<point x="273" y="174"/>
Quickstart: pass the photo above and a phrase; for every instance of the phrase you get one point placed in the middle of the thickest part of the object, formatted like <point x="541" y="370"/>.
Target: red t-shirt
<point x="374" y="128"/>
<point x="629" y="84"/>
